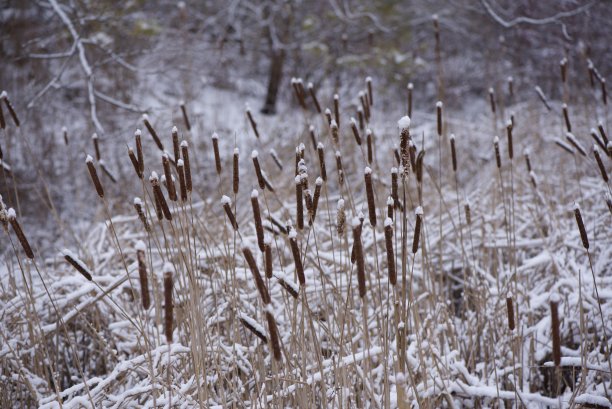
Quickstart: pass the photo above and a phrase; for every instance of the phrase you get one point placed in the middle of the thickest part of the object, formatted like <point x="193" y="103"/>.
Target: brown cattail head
<point x="360" y="118"/>
<point x="77" y="264"/>
<point x="176" y="144"/>
<point x="139" y="152"/>
<point x="297" y="258"/>
<point x="226" y="202"/>
<point x="337" y="109"/>
<point x="370" y="146"/>
<point x="410" y="88"/>
<point x="439" y="117"/>
<point x="355" y="131"/>
<point x="363" y="98"/>
<point x="600" y="164"/>
<point x="315" y="200"/>
<point x="604" y="93"/>
<point x="259" y="282"/>
<point x="468" y="212"/>
<point x="313" y="137"/>
<point x="147" y="124"/>
<point x="390" y="254"/>
<point x="274" y="337"/>
<point x="511" y="87"/>
<point x="563" y="69"/>
<point x="94" y="175"/>
<point x="390" y="207"/>
<point x="322" y="168"/>
<point x="169" y="178"/>
<point x="340" y="168"/>
<point x="581" y="228"/>
<point x="236" y="171"/>
<point x="334" y="131"/>
<point x="185" y="153"/>
<point x="299" y="199"/>
<point x="453" y="152"/>
<point x="602" y="132"/>
<point x="252" y="326"/>
<point x="142" y="275"/>
<point x="419" y="166"/>
<point x="168" y="304"/>
<point x="555" y="329"/>
<point x="340" y="218"/>
<point x="180" y="169"/>
<point x="252" y="121"/>
<point x="9" y="106"/>
<point x="313" y="95"/>
<point x="159" y="196"/>
<point x="298" y="91"/>
<point x="185" y="117"/>
<point x="25" y="244"/>
<point x="96" y="144"/>
<point x="135" y="163"/>
<point x="260" y="179"/>
<point x="64" y="129"/>
<point x="257" y="218"/>
<point x="574" y="141"/>
<point x="492" y="99"/>
<point x="417" y="229"/>
<point x="268" y="258"/>
<point x="359" y="259"/>
<point x="394" y="186"/>
<point x="141" y="213"/>
<point x="497" y="154"/>
<point x="527" y="160"/>
<point x="370" y="92"/>
<point x="509" y="135"/>
<point x="568" y="124"/>
<point x="404" y="127"/>
<point x="215" y="141"/>
<point x="3" y="122"/>
<point x="370" y="196"/>
<point x="510" y="312"/>
<point x="328" y="116"/>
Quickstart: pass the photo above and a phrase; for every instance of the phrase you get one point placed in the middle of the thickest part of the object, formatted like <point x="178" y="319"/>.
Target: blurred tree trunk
<point x="275" y="76"/>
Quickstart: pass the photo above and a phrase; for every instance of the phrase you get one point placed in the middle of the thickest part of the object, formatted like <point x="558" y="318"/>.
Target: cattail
<point x="268" y="258"/>
<point x="370" y="147"/>
<point x="139" y="152"/>
<point x="77" y="264"/>
<point x="185" y="153"/>
<point x="413" y="156"/>
<point x="511" y="87"/>
<point x="313" y="137"/>
<point x="583" y="233"/>
<point x="252" y="122"/>
<point x="185" y="117"/>
<point x="252" y="326"/>
<point x="315" y="200"/>
<point x="604" y="94"/>
<point x="3" y="122"/>
<point x="542" y="97"/>
<point x="355" y="131"/>
<point x="274" y="338"/>
<point x="439" y="116"/>
<point x="12" y="218"/>
<point x="337" y="109"/>
<point x="147" y="124"/>
<point x="564" y="146"/>
<point x="497" y="154"/>
<point x="468" y="212"/>
<point x="572" y="139"/>
<point x="389" y="247"/>
<point x="328" y="116"/>
<point x="598" y="140"/>
<point x="226" y="202"/>
<point x="9" y="106"/>
<point x="339" y="167"/>
<point x="568" y="124"/>
<point x="510" y="312"/>
<point x="509" y="135"/>
<point x="453" y="152"/>
<point x="159" y="196"/>
<point x="364" y="105"/>
<point x="340" y="218"/>
<point x="370" y="196"/>
<point x="563" y="68"/>
<point x="134" y="161"/>
<point x="390" y="207"/>
<point x="299" y="202"/>
<point x="602" y="132"/>
<point x="602" y="168"/>
<point x="158" y="208"/>
<point x="175" y="144"/>
<point x="298" y="158"/>
<point x="492" y="99"/>
<point x="335" y="133"/>
<point x="534" y="180"/>
<point x="527" y="160"/>
<point x="141" y="213"/>
<point x="64" y="129"/>
<point x="297" y="259"/>
<point x="359" y="260"/>
<point x="257" y="217"/>
<point x="394" y="186"/>
<point x="259" y="282"/>
<point x="591" y="69"/>
<point x="215" y="141"/>
<point x="419" y="166"/>
<point x="417" y="229"/>
<point x="322" y="168"/>
<point x="554" y="323"/>
<point x="142" y="274"/>
<point x="313" y="95"/>
<point x="180" y="169"/>
<point x="404" y="127"/>
<point x="168" y="306"/>
<point x="94" y="139"/>
<point x="169" y="178"/>
<point x="410" y="87"/>
<point x="94" y="176"/>
<point x="260" y="178"/>
<point x="298" y="93"/>
<point x="360" y="118"/>
<point x="236" y="171"/>
<point x="370" y="93"/>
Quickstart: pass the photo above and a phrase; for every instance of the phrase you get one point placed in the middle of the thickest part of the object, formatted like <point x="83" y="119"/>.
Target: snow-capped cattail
<point x="185" y="153"/>
<point x="141" y="213"/>
<point x="394" y="186"/>
<point x="492" y="99"/>
<point x="337" y="109"/>
<point x="328" y="116"/>
<point x="252" y="326"/>
<point x="359" y="260"/>
<point x="410" y="87"/>
<point x="25" y="244"/>
<point x="509" y="135"/>
<point x="597" y="139"/>
<point x="360" y="118"/>
<point x="370" y="93"/>
<point x="510" y="312"/>
<point x="236" y="171"/>
<point x="169" y="178"/>
<point x="468" y="212"/>
<point x="419" y="166"/>
<point x="299" y="202"/>
<point x="602" y="168"/>
<point x="176" y="144"/>
<point x="370" y="147"/>
<point x="313" y="137"/>
<point x="563" y="69"/>
<point x="389" y="248"/>
<point x="527" y="160"/>
<point x="340" y="218"/>
<point x="168" y="304"/>
<point x="439" y="117"/>
<point x="215" y="142"/>
<point x="135" y="163"/>
<point x="64" y="129"/>
<point x="542" y="97"/>
<point x="259" y="282"/>
<point x="9" y="106"/>
<point x="453" y="152"/>
<point x="313" y="95"/>
<point x="257" y="218"/>
<point x="339" y="168"/>
<point x="417" y="229"/>
<point x="298" y="93"/>
<point x="404" y="127"/>
<point x="142" y="275"/>
<point x="297" y="258"/>
<point x="180" y="169"/>
<point x="572" y="139"/>
<point x="554" y="326"/>
<point x="268" y="258"/>
<point x="139" y="152"/>
<point x="185" y="117"/>
<point x="604" y="93"/>
<point x="94" y="176"/>
<point x="370" y="196"/>
<point x="322" y="168"/>
<point x="511" y="87"/>
<point x="568" y="124"/>
<point x="226" y="203"/>
<point x="252" y="121"/>
<point x="390" y="207"/>
<point x="315" y="199"/>
<point x="298" y="158"/>
<point x="581" y="228"/>
<point x="274" y="337"/>
<point x="334" y="131"/>
<point x="159" y="196"/>
<point x="602" y="132"/>
<point x="77" y="264"/>
<point x="260" y="178"/>
<point x="497" y="154"/>
<point x="147" y="124"/>
<point x="94" y="140"/>
<point x="355" y="131"/>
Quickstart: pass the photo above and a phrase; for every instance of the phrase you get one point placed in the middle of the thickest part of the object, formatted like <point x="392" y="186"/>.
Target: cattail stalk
<point x="257" y="218"/>
<point x="268" y="258"/>
<point x="176" y="144"/>
<point x="600" y="164"/>
<point x="568" y="124"/>
<point x="139" y="152"/>
<point x="439" y="117"/>
<point x="322" y="168"/>
<point x="453" y="152"/>
<point x="299" y="202"/>
<point x="410" y="88"/>
<point x="337" y="109"/>
<point x="94" y="139"/>
<point x="77" y="264"/>
<point x="509" y="135"/>
<point x="260" y="179"/>
<point x="215" y="142"/>
<point x="581" y="228"/>
<point x="355" y="131"/>
<point x="497" y="154"/>
<point x="370" y="147"/>
<point x="180" y="169"/>
<point x="370" y="92"/>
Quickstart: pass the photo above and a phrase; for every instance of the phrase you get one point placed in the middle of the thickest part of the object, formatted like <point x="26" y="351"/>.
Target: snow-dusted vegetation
<point x="356" y="242"/>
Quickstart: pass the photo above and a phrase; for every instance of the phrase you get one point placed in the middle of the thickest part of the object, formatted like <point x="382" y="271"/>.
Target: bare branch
<point x="535" y="21"/>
